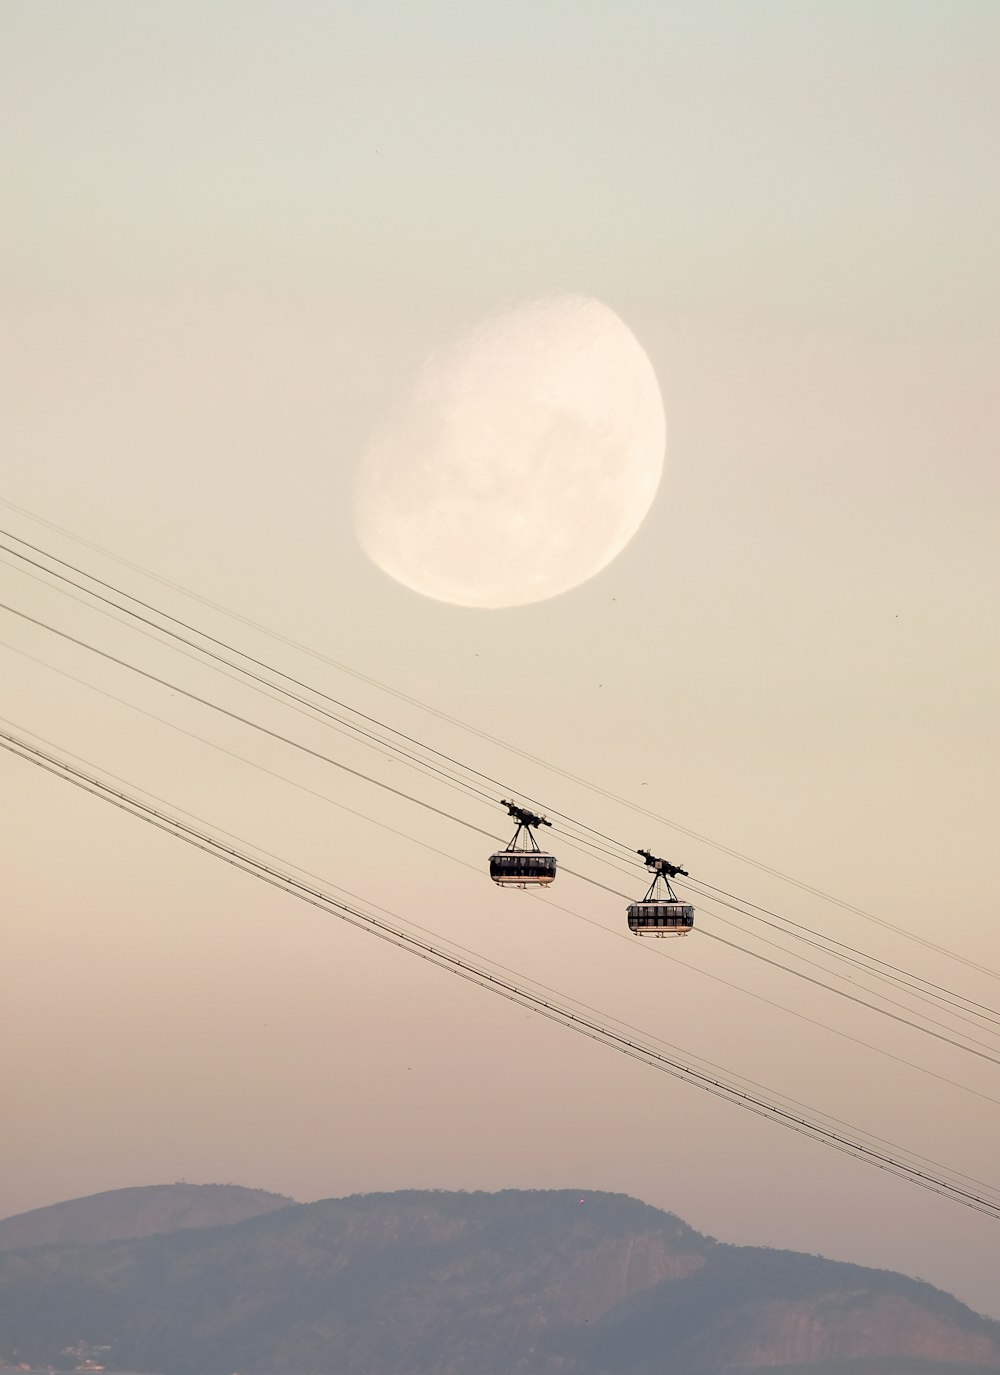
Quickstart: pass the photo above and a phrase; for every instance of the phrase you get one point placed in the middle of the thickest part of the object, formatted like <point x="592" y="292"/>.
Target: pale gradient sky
<point x="233" y="233"/>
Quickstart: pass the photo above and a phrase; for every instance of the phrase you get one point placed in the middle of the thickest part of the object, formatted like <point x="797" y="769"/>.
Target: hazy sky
<point x="232" y="232"/>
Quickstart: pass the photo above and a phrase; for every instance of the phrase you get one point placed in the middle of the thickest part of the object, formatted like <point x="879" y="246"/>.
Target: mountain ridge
<point x="120" y="1214"/>
<point x="416" y="1282"/>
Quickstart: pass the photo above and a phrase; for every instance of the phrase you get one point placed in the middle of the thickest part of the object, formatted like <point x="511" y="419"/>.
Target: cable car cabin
<point x="519" y="868"/>
<point x="660" y="913"/>
<point x="523" y="863"/>
<point x="660" y="918"/>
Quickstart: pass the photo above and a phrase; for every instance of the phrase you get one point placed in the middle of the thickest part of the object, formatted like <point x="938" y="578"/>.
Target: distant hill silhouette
<point x="125" y="1213"/>
<point x="435" y="1283"/>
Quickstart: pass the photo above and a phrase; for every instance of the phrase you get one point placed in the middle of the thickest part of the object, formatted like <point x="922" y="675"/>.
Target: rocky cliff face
<point x="516" y="1283"/>
<point x="844" y="1326"/>
<point x="749" y="1309"/>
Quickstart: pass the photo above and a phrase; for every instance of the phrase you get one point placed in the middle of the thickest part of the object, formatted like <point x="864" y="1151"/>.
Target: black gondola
<point x="523" y="863"/>
<point x="661" y="912"/>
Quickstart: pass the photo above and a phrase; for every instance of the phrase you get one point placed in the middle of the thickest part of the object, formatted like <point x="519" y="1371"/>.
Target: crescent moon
<point x="522" y="460"/>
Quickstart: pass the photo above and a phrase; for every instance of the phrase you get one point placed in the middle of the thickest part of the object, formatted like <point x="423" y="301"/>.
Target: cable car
<point x="523" y="863"/>
<point x="661" y="912"/>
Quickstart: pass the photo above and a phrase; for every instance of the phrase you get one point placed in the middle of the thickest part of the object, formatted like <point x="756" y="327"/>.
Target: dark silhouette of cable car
<point x="661" y="912"/>
<point x="523" y="863"/>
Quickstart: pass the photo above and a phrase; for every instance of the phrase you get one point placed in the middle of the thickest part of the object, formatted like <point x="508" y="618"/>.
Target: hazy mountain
<point x="748" y="1308"/>
<point x="124" y="1213"/>
<point x="538" y="1283"/>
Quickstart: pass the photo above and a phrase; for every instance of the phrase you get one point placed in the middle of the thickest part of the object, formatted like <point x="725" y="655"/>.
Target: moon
<point x="521" y="461"/>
